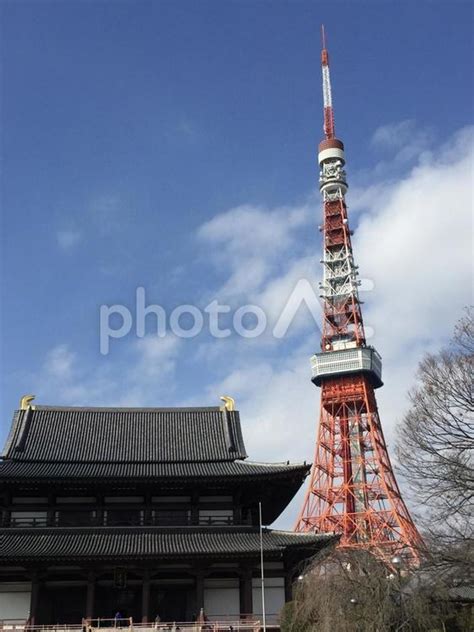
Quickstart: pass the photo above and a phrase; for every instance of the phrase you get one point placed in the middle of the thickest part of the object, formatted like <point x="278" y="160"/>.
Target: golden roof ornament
<point x="25" y="402"/>
<point x="229" y="403"/>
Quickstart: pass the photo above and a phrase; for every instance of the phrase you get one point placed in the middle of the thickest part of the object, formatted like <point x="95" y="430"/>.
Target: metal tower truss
<point x="353" y="490"/>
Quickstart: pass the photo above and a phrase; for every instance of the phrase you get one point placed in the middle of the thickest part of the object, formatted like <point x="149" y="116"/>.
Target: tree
<point x="436" y="451"/>
<point x="355" y="591"/>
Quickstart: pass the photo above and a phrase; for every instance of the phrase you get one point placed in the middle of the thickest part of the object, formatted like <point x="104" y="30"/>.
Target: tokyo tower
<point x="353" y="490"/>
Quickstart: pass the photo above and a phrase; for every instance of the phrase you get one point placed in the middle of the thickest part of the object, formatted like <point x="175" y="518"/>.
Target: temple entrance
<point x="172" y="603"/>
<point x="61" y="604"/>
<point x="109" y="600"/>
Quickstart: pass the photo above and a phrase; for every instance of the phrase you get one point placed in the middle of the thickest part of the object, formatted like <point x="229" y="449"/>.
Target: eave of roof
<point x="176" y="474"/>
<point x="78" y="544"/>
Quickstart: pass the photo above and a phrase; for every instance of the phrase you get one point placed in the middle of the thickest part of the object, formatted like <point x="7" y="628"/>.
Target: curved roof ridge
<point x="278" y="463"/>
<point x="125" y="409"/>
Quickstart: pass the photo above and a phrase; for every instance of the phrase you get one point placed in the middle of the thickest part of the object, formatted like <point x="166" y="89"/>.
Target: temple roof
<point x="172" y="447"/>
<point x="125" y="543"/>
<point x="125" y="435"/>
<point x="48" y="443"/>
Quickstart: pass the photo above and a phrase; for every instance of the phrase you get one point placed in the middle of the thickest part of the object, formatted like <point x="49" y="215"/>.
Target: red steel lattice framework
<point x="353" y="490"/>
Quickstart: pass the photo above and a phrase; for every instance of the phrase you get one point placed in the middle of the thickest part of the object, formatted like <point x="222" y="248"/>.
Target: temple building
<point x="146" y="511"/>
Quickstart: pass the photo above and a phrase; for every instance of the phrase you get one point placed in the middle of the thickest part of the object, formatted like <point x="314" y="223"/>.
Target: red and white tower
<point x="353" y="490"/>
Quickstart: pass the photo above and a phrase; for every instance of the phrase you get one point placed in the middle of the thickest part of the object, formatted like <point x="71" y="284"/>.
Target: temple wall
<point x="221" y="597"/>
<point x="15" y="601"/>
<point x="274" y="596"/>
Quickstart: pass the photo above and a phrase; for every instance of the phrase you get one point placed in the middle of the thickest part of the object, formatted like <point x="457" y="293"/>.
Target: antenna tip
<point x="324" y="52"/>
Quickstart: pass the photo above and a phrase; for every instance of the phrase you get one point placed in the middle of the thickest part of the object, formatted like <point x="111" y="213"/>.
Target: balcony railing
<point x="16" y="521"/>
<point x="64" y="520"/>
<point x="242" y="623"/>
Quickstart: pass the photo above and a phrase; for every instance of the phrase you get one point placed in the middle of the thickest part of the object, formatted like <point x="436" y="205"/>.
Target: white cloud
<point x="417" y="249"/>
<point x="103" y="214"/>
<point x="59" y="362"/>
<point x="107" y="213"/>
<point x="68" y="239"/>
<point x="251" y="242"/>
<point x="414" y="241"/>
<point x="139" y="377"/>
<point x="403" y="136"/>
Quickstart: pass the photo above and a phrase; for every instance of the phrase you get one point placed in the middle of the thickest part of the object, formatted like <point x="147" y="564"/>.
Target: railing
<point x="84" y="521"/>
<point x="13" y="624"/>
<point x="17" y="521"/>
<point x="22" y="625"/>
<point x="216" y="520"/>
<point x="224" y="624"/>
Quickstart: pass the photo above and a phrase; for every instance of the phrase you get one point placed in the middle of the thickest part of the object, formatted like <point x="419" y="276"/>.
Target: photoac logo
<point x="189" y="321"/>
<point x="216" y="319"/>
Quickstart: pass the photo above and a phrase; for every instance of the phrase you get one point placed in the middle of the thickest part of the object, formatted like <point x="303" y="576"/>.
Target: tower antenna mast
<point x="329" y="130"/>
<point x="353" y="490"/>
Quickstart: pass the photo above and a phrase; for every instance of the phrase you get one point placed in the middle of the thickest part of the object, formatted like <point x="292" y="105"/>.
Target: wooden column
<point x="34" y="600"/>
<point x="7" y="511"/>
<point x="51" y="516"/>
<point x="238" y="507"/>
<point x="199" y="591"/>
<point x="146" y="597"/>
<point x="147" y="509"/>
<point x="195" y="507"/>
<point x="99" y="509"/>
<point x="245" y="589"/>
<point x="289" y="586"/>
<point x="90" y="595"/>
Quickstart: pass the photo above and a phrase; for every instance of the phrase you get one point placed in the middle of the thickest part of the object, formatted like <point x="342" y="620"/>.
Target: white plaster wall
<point x="274" y="597"/>
<point x="15" y="601"/>
<point x="221" y="597"/>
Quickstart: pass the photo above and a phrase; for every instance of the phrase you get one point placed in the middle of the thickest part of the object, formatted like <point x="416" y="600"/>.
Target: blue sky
<point x="172" y="145"/>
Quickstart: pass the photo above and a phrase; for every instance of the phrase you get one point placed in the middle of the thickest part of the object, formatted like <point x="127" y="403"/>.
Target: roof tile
<point x="125" y="435"/>
<point x="106" y="543"/>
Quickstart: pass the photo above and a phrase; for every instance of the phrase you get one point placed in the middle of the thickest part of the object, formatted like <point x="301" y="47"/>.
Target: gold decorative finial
<point x="229" y="402"/>
<point x="25" y="402"/>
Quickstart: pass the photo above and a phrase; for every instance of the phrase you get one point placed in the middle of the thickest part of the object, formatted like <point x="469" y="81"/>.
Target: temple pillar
<point x="99" y="519"/>
<point x="51" y="515"/>
<point x="7" y="513"/>
<point x="245" y="589"/>
<point x="238" y="507"/>
<point x="145" y="596"/>
<point x="288" y="586"/>
<point x="90" y="595"/>
<point x="34" y="599"/>
<point x="199" y="591"/>
<point x="147" y="510"/>
<point x="195" y="507"/>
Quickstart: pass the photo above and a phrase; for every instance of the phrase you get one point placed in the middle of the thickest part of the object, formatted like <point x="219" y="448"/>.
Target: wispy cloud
<point x="59" y="363"/>
<point x="414" y="243"/>
<point x="107" y="213"/>
<point x="68" y="239"/>
<point x="101" y="216"/>
<point x="250" y="243"/>
<point x="143" y="373"/>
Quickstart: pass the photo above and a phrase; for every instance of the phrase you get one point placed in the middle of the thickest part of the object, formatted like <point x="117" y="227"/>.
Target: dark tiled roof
<point x="132" y="543"/>
<point x="125" y="435"/>
<point x="176" y="472"/>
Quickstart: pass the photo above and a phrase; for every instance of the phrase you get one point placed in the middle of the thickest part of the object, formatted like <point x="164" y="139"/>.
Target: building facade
<point x="144" y="511"/>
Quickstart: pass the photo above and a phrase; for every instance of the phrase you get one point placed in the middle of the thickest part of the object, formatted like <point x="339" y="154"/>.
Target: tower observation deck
<point x="353" y="491"/>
